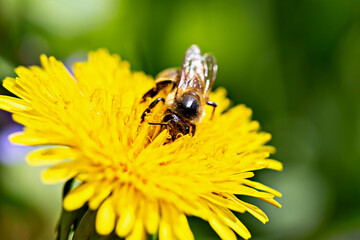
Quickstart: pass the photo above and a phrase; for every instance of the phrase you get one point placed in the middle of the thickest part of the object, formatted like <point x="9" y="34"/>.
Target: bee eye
<point x="188" y="106"/>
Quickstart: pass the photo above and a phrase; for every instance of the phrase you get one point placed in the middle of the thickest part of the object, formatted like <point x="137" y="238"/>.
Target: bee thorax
<point x="188" y="106"/>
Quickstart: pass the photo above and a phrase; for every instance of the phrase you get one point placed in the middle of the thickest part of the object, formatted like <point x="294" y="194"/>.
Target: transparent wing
<point x="210" y="70"/>
<point x="192" y="69"/>
<point x="198" y="73"/>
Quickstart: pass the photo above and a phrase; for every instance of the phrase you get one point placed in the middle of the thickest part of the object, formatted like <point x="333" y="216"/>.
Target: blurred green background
<point x="295" y="63"/>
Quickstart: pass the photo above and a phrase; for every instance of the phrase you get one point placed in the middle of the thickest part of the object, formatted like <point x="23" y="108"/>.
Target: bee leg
<point x="193" y="129"/>
<point x="158" y="87"/>
<point x="151" y="106"/>
<point x="214" y="105"/>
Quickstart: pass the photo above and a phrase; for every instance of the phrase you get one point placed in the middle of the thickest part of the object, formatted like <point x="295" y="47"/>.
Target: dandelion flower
<point x="133" y="183"/>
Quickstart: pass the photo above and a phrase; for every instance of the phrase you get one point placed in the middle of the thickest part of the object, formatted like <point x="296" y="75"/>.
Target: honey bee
<point x="189" y="93"/>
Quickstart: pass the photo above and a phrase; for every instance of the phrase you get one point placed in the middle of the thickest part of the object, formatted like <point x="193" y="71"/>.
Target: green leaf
<point x="96" y="236"/>
<point x="86" y="226"/>
<point x="67" y="220"/>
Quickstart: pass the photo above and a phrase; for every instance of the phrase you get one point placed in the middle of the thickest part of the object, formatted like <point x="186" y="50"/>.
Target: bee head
<point x="188" y="105"/>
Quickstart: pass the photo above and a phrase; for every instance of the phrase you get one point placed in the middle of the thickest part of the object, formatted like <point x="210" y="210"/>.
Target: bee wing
<point x="210" y="70"/>
<point x="198" y="73"/>
<point x="192" y="68"/>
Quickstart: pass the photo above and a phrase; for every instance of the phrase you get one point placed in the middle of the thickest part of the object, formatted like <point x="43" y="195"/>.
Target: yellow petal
<point x="77" y="197"/>
<point x="256" y="212"/>
<point x="232" y="221"/>
<point x="165" y="226"/>
<point x="224" y="202"/>
<point x="270" y="149"/>
<point x="11" y="85"/>
<point x="244" y="190"/>
<point x="165" y="231"/>
<point x="13" y="105"/>
<point x="100" y="195"/>
<point x="151" y="216"/>
<point x="138" y="232"/>
<point x="126" y="221"/>
<point x="105" y="218"/>
<point x="29" y="119"/>
<point x="182" y="228"/>
<point x="261" y="187"/>
<point x="273" y="164"/>
<point x="240" y="229"/>
<point x="60" y="172"/>
<point x="22" y="138"/>
<point x="272" y="202"/>
<point x="222" y="230"/>
<point x="50" y="155"/>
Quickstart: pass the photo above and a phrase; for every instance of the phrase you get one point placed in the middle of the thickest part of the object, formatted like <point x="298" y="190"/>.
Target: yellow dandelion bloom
<point x="90" y="122"/>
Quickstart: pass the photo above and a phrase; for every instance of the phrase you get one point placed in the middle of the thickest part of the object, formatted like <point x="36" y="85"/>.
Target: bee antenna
<point x="162" y="124"/>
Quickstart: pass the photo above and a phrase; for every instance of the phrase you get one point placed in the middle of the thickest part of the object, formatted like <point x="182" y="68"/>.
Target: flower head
<point x="90" y="122"/>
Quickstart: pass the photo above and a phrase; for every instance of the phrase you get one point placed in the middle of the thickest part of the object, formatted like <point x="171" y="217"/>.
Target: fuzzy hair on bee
<point x="187" y="93"/>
